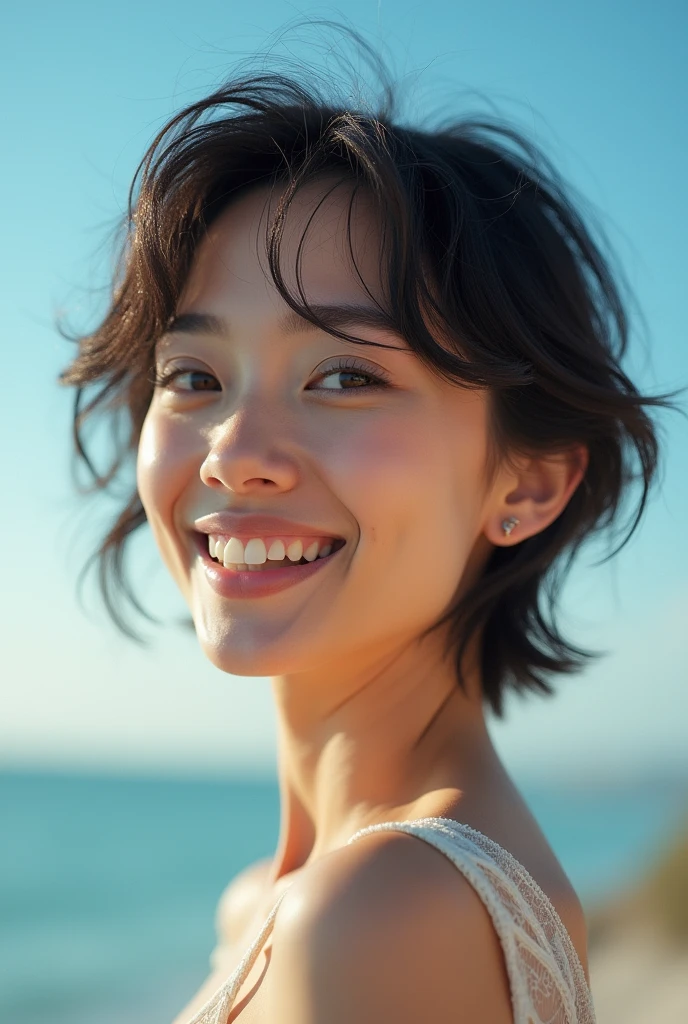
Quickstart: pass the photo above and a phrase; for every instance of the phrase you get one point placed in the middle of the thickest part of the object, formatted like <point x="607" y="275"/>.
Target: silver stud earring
<point x="508" y="524"/>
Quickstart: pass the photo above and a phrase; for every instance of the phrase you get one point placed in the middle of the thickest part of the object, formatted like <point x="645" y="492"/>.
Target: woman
<point x="372" y="380"/>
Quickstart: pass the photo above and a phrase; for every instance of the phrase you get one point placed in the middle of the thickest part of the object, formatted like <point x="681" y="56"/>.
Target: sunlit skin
<point x="371" y="723"/>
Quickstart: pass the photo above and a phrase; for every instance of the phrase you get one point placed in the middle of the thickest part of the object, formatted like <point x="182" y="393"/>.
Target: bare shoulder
<point x="239" y="900"/>
<point x="386" y="929"/>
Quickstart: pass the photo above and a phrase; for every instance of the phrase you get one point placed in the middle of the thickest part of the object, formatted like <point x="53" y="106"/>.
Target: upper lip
<point x="248" y="524"/>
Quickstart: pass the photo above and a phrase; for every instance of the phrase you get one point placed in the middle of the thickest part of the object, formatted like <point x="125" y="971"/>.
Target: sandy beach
<point x="636" y="977"/>
<point x="638" y="945"/>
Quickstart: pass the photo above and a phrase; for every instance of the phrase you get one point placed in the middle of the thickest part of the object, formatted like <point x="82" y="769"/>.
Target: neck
<point x="391" y="737"/>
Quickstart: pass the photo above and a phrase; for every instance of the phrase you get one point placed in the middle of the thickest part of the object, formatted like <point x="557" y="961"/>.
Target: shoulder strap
<point x="216" y="1009"/>
<point x="545" y="974"/>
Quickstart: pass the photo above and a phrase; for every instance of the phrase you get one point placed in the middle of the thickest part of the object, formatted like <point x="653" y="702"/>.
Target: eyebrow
<point x="332" y="316"/>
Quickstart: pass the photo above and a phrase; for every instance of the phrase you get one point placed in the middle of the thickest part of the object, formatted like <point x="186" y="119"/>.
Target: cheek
<point x="420" y="508"/>
<point x="371" y="468"/>
<point x="162" y="470"/>
<point x="148" y="465"/>
<point x="409" y="478"/>
<point x="412" y="490"/>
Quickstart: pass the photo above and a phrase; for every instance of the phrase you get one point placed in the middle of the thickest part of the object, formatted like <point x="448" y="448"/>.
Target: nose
<point x="247" y="453"/>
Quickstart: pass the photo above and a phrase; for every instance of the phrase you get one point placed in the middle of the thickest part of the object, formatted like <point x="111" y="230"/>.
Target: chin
<point x="240" y="651"/>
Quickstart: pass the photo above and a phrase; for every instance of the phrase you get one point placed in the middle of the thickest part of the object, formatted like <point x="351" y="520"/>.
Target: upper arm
<point x="389" y="931"/>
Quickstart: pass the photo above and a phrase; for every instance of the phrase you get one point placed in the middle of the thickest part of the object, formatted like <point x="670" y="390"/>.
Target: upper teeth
<point x="232" y="551"/>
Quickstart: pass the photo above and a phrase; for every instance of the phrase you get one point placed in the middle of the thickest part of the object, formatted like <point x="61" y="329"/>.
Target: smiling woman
<point x="374" y="390"/>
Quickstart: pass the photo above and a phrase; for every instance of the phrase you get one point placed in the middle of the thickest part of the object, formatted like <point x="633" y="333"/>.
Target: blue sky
<point x="601" y="87"/>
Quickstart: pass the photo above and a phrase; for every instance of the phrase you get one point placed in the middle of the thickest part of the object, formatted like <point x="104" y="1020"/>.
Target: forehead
<point x="333" y="235"/>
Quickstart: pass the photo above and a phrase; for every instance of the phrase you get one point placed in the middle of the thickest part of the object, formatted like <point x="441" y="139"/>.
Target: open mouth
<point x="318" y="551"/>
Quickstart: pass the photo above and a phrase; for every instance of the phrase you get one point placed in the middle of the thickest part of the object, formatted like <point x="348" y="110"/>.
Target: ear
<point x="536" y="492"/>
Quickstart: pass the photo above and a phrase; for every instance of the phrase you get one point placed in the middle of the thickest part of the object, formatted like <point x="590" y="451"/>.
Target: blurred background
<point x="136" y="781"/>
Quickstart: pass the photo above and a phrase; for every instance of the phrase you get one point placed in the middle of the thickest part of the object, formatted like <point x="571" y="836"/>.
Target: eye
<point x="354" y="374"/>
<point x="202" y="377"/>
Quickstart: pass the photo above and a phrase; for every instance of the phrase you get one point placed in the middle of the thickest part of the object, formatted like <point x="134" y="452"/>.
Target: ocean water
<point x="108" y="886"/>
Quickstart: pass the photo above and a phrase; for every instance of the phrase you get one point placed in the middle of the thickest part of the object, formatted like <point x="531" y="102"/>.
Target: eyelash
<point x="349" y="365"/>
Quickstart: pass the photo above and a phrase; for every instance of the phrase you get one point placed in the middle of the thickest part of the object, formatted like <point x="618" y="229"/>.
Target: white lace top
<point x="547" y="980"/>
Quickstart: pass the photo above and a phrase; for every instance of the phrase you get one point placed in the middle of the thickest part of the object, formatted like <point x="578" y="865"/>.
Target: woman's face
<point x="269" y="426"/>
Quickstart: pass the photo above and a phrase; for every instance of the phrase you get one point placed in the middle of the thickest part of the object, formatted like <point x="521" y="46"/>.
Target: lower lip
<point x="240" y="584"/>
